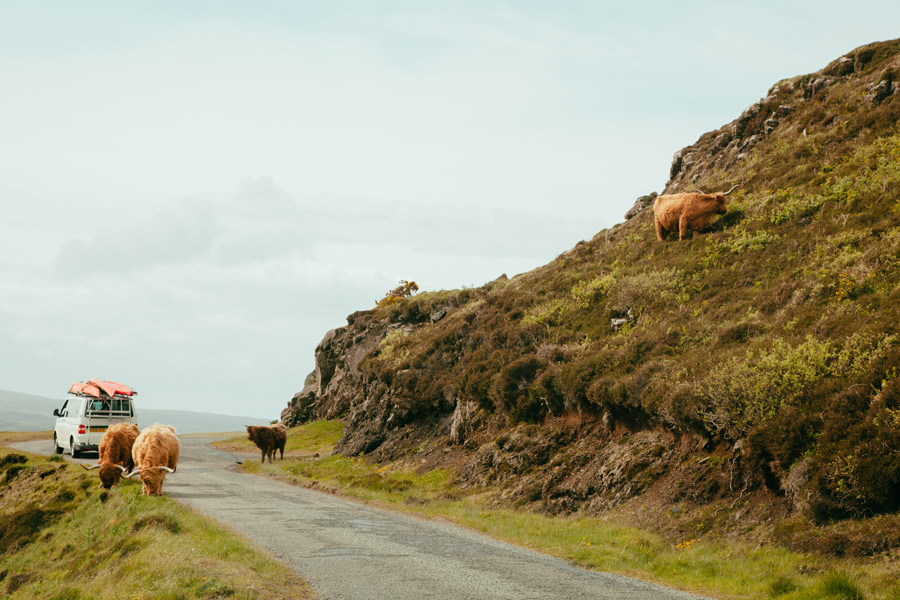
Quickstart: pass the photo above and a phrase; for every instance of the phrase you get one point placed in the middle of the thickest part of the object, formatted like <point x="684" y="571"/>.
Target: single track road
<point x="349" y="551"/>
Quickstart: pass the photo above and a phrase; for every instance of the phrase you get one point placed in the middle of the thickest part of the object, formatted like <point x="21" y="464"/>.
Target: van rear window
<point x="116" y="406"/>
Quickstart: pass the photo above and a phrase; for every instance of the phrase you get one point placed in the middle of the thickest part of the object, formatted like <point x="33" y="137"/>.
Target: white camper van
<point x="88" y="410"/>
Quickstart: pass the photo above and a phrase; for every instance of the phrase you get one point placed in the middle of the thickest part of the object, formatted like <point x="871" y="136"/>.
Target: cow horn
<point x="167" y="469"/>
<point x="132" y="474"/>
<point x="731" y="190"/>
<point x="698" y="192"/>
<point x="91" y="468"/>
<point x="120" y="467"/>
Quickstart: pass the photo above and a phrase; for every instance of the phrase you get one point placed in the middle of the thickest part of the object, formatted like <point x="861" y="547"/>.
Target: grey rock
<point x="460" y="422"/>
<point x="783" y="110"/>
<point x="640" y="204"/>
<point x="722" y="140"/>
<point x="438" y="314"/>
<point x="882" y="90"/>
<point x="842" y="66"/>
<point x="817" y="85"/>
<point x="676" y="165"/>
<point x="771" y="124"/>
<point x="619" y="322"/>
<point x="740" y="125"/>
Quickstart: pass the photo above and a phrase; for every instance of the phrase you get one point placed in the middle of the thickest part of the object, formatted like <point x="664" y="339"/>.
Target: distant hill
<point x="25" y="412"/>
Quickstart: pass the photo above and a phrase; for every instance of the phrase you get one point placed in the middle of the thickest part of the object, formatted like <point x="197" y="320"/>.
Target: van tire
<point x="75" y="453"/>
<point x="56" y="447"/>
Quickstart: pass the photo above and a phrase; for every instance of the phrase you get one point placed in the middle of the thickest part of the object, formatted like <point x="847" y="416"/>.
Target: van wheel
<point x="75" y="453"/>
<point x="56" y="447"/>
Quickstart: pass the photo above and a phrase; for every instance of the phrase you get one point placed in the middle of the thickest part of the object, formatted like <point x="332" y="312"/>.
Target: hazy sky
<point x="193" y="192"/>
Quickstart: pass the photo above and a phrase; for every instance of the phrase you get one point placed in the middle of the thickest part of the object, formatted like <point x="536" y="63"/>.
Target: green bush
<point x="749" y="390"/>
<point x="511" y="389"/>
<point x="587" y="293"/>
<point x="860" y="474"/>
<point x="639" y="291"/>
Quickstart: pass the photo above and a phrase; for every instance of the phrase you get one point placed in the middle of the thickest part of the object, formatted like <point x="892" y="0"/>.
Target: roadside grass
<point x="717" y="567"/>
<point x="318" y="437"/>
<point x="13" y="437"/>
<point x="63" y="538"/>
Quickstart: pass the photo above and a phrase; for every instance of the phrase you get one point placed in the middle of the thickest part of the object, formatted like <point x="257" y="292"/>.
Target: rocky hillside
<point x="747" y="375"/>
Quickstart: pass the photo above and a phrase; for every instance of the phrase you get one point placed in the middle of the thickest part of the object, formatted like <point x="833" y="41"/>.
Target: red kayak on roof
<point x="98" y="387"/>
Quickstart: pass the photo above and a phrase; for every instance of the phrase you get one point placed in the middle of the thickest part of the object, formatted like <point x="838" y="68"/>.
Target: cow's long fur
<point x="115" y="451"/>
<point x="156" y="446"/>
<point x="268" y="439"/>
<point x="686" y="213"/>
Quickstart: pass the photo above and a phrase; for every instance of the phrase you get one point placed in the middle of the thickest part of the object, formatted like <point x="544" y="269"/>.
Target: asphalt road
<point x="348" y="551"/>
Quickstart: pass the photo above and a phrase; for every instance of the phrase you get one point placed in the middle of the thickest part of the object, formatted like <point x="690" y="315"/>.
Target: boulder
<point x="640" y="204"/>
<point x="879" y="92"/>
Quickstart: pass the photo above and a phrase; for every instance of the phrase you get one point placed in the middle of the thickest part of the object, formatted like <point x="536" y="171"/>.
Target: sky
<point x="193" y="193"/>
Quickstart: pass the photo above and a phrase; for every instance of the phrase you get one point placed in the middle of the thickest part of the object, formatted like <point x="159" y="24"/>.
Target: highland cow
<point x="155" y="453"/>
<point x="115" y="453"/>
<point x="268" y="439"/>
<point x="687" y="213"/>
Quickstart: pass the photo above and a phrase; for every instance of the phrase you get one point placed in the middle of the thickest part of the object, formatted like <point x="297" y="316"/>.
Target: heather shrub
<point x="637" y="292"/>
<point x="860" y="472"/>
<point x="510" y="390"/>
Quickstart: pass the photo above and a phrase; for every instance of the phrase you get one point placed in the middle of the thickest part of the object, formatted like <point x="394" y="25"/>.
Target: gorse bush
<point x="404" y="290"/>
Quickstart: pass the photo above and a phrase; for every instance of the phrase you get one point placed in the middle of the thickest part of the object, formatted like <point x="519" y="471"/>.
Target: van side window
<point x="63" y="412"/>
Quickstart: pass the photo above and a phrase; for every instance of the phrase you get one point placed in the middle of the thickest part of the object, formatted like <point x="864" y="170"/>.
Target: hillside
<point x="62" y="537"/>
<point x="743" y="381"/>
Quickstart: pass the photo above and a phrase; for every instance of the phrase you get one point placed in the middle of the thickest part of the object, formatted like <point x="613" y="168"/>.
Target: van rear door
<point x="103" y="412"/>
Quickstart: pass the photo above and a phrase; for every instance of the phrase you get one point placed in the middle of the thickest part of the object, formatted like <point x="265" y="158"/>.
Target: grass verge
<point x="318" y="437"/>
<point x="720" y="568"/>
<point x="97" y="544"/>
<point x="13" y="437"/>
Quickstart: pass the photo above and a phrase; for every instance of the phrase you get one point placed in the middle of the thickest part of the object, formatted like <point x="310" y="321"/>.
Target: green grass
<point x="90" y="543"/>
<point x="305" y="440"/>
<point x="722" y="568"/>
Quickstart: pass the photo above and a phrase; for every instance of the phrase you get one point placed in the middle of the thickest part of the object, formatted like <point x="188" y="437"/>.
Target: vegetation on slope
<point x="778" y="327"/>
<point x="748" y="377"/>
<point x="63" y="538"/>
<point x="724" y="568"/>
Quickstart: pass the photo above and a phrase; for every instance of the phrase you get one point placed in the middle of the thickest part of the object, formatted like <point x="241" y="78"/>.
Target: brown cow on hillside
<point x="115" y="453"/>
<point x="687" y="213"/>
<point x="268" y="439"/>
<point x="155" y="453"/>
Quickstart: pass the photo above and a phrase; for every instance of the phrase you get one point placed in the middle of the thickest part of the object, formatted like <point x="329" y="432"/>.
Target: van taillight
<point x="81" y="429"/>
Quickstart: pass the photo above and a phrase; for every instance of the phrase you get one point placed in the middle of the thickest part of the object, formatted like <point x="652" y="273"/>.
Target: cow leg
<point x="263" y="457"/>
<point x="661" y="232"/>
<point x="683" y="228"/>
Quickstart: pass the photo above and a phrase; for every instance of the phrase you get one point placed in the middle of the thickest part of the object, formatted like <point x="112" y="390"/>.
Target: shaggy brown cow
<point x="155" y="453"/>
<point x="268" y="439"/>
<point x="687" y="213"/>
<point x="115" y="453"/>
